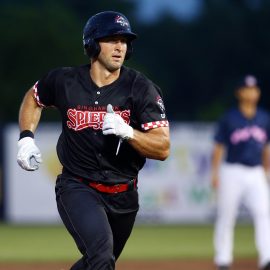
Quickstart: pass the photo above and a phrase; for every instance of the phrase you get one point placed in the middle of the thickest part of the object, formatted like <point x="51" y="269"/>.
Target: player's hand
<point x="267" y="175"/>
<point x="215" y="182"/>
<point x="115" y="124"/>
<point x="28" y="152"/>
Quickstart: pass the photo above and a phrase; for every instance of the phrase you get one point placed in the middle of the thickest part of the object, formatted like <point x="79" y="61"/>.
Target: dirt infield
<point x="243" y="264"/>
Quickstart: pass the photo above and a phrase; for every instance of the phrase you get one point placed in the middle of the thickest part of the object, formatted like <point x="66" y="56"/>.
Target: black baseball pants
<point x="100" y="231"/>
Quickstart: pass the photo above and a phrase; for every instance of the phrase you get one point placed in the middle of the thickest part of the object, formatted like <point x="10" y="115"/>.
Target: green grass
<point x="36" y="243"/>
<point x="53" y="243"/>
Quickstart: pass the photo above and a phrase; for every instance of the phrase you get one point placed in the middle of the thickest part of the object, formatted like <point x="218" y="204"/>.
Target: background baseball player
<point x="113" y="118"/>
<point x="244" y="133"/>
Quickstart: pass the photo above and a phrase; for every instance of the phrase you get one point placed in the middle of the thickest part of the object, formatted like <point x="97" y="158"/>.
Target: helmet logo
<point x="122" y="21"/>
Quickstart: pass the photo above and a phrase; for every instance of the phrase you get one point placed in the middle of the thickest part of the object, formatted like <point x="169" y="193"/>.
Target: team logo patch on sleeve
<point x="161" y="106"/>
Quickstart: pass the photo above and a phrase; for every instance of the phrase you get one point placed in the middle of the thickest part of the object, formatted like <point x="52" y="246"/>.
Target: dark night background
<point x="195" y="61"/>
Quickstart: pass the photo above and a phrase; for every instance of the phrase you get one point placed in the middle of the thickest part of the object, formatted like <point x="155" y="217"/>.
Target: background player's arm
<point x="153" y="143"/>
<point x="217" y="157"/>
<point x="266" y="159"/>
<point x="30" y="112"/>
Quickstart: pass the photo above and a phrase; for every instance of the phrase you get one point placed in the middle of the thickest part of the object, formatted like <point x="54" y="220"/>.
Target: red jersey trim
<point x="155" y="124"/>
<point x="36" y="96"/>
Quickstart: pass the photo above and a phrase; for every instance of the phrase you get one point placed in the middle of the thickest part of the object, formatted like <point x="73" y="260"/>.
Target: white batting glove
<point x="115" y="124"/>
<point x="27" y="152"/>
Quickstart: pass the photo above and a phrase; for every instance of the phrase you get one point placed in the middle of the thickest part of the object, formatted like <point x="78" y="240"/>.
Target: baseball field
<point x="149" y="247"/>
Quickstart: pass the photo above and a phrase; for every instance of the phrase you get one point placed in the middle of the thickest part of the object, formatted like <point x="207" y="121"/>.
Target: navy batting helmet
<point x="106" y="24"/>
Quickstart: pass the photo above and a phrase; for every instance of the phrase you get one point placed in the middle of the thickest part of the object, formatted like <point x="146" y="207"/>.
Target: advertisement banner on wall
<point x="173" y="191"/>
<point x="178" y="190"/>
<point x="30" y="196"/>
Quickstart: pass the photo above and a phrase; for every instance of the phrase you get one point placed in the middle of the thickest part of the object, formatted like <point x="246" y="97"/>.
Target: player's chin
<point x="115" y="65"/>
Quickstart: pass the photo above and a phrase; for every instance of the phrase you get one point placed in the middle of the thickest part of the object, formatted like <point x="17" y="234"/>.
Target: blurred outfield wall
<point x="173" y="191"/>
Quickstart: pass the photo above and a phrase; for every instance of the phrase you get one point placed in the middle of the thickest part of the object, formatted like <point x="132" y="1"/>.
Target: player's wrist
<point x="26" y="133"/>
<point x="129" y="133"/>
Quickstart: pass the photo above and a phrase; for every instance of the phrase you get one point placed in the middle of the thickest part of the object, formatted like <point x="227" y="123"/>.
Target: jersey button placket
<point x="98" y="93"/>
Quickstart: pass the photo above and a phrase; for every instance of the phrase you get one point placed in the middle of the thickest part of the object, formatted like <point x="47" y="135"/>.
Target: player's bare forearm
<point x="266" y="158"/>
<point x="154" y="143"/>
<point x="217" y="157"/>
<point x="30" y="112"/>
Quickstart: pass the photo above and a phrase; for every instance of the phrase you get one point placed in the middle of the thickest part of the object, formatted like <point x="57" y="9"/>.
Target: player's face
<point x="249" y="95"/>
<point x="113" y="52"/>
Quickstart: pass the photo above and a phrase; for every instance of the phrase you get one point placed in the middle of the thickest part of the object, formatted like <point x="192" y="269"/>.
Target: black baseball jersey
<point x="82" y="148"/>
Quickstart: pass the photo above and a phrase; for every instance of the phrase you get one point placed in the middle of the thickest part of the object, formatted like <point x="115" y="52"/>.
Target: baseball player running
<point x="113" y="118"/>
<point x="244" y="132"/>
